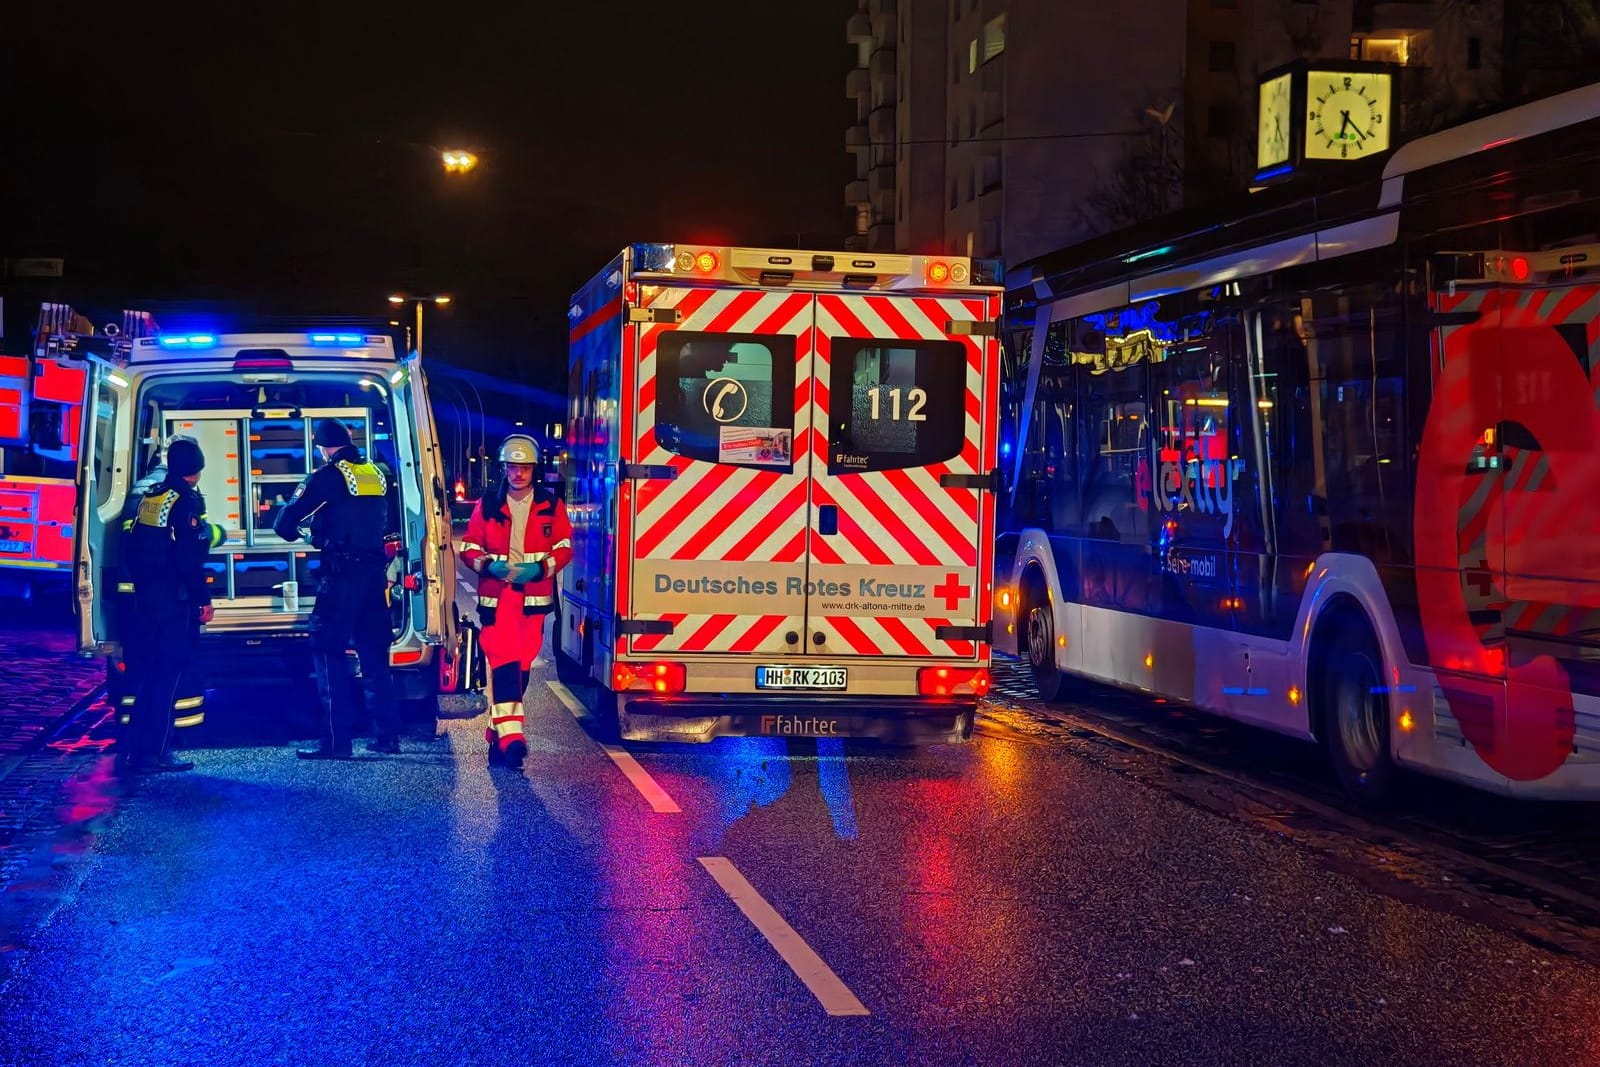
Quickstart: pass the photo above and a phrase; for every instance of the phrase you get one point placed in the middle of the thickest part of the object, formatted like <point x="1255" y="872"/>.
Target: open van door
<point x="103" y="474"/>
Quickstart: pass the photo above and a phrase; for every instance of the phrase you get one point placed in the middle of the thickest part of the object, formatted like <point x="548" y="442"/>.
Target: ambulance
<point x="781" y="478"/>
<point x="251" y="400"/>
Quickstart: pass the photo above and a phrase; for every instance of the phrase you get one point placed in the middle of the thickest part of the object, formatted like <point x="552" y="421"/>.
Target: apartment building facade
<point x="1012" y="127"/>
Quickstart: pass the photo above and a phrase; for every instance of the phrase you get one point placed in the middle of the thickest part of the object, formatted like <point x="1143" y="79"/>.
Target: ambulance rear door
<point x="903" y="437"/>
<point x="719" y="480"/>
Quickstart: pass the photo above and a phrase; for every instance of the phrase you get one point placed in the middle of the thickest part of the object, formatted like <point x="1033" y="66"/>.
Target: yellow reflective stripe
<point x="190" y="720"/>
<point x="565" y="542"/>
<point x="127" y="702"/>
<point x="124" y="587"/>
<point x="538" y="601"/>
<point x="362" y="479"/>
<point x="488" y="601"/>
<point x="471" y="546"/>
<point x="188" y="702"/>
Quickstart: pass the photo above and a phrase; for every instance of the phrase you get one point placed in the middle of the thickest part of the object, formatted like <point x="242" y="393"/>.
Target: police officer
<point x="517" y="540"/>
<point x="346" y="502"/>
<point x="166" y="551"/>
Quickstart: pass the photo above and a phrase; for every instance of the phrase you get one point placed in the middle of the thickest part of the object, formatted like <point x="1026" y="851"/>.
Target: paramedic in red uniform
<point x="517" y="540"/>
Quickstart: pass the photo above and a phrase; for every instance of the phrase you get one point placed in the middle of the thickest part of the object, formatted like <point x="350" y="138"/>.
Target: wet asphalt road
<point x="1004" y="902"/>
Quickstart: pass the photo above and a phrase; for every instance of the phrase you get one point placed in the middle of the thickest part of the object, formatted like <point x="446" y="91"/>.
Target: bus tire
<point x="1354" y="715"/>
<point x="1039" y="639"/>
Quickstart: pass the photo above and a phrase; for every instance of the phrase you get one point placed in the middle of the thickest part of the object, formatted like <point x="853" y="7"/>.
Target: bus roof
<point x="1316" y="217"/>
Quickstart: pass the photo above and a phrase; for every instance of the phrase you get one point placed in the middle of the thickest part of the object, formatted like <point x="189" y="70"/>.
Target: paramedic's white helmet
<point x="519" y="448"/>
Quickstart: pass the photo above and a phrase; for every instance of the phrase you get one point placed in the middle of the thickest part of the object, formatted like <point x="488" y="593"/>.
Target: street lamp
<point x="398" y="299"/>
<point x="457" y="161"/>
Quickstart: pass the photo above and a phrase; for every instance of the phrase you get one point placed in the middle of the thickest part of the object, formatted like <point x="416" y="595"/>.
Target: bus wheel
<point x="1040" y="636"/>
<point x="1355" y="718"/>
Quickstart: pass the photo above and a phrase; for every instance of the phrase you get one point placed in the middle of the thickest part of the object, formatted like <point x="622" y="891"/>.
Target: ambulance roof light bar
<point x="813" y="269"/>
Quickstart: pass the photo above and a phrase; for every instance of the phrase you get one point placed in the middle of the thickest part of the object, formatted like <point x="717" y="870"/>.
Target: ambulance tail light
<point x="405" y="658"/>
<point x="952" y="681"/>
<point x="704" y="261"/>
<point x="658" y="677"/>
<point x="263" y="363"/>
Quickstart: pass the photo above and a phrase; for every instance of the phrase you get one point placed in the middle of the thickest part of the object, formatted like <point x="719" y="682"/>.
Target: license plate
<point x="800" y="677"/>
<point x="13" y="546"/>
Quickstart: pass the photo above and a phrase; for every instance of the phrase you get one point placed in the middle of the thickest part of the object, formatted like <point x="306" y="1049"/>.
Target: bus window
<point x="1116" y="428"/>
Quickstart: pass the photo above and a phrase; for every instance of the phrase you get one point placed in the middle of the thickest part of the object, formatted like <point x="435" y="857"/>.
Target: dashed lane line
<point x="833" y="994"/>
<point x="646" y="785"/>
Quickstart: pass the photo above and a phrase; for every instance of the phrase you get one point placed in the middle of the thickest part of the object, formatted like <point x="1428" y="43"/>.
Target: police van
<point x="251" y="400"/>
<point x="780" y="477"/>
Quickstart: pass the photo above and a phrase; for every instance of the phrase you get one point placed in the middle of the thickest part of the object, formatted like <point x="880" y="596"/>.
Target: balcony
<point x="858" y="82"/>
<point x="856" y="193"/>
<point x="880" y="181"/>
<point x="880" y="126"/>
<point x="856" y="139"/>
<point x="859" y="29"/>
<point x="882" y="65"/>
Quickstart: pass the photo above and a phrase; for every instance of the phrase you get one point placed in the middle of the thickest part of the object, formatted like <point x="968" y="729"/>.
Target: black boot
<point x="327" y="751"/>
<point x="163" y="763"/>
<point x="514" y="753"/>
<point x="388" y="746"/>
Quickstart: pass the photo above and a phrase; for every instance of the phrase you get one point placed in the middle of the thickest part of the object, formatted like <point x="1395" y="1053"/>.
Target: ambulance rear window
<point x="895" y="405"/>
<point x="726" y="397"/>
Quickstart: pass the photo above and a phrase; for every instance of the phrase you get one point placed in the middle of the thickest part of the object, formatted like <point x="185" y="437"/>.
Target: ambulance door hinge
<point x="649" y="472"/>
<point x="987" y="483"/>
<point x="973" y="328"/>
<point x="963" y="633"/>
<point x="666" y="315"/>
<point x="642" y="627"/>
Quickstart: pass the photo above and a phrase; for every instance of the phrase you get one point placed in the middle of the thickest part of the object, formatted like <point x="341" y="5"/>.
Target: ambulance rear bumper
<point x="892" y="720"/>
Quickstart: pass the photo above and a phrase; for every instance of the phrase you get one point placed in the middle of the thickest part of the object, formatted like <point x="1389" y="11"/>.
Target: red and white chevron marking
<point x="715" y="511"/>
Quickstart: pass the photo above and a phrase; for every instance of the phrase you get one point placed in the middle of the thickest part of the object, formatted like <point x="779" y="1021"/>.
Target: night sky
<point x="278" y="157"/>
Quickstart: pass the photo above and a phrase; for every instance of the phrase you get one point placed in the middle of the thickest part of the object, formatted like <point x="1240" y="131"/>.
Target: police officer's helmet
<point x="519" y="448"/>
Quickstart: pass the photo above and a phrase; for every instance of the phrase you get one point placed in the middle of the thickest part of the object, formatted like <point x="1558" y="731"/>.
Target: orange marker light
<point x="938" y="273"/>
<point x="705" y="262"/>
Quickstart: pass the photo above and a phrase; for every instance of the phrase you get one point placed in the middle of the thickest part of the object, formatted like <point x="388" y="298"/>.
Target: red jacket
<point x="548" y="539"/>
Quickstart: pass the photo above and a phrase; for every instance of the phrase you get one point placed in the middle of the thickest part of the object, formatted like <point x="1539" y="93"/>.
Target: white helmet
<point x="519" y="448"/>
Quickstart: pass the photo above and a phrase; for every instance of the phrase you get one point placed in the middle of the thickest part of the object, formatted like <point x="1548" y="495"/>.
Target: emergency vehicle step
<point x="963" y="633"/>
<point x="640" y="627"/>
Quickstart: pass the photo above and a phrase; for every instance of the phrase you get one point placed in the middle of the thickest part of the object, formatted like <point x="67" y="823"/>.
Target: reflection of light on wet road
<point x="833" y="779"/>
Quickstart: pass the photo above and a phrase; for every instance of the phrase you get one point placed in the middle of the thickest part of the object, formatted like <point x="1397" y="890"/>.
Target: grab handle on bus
<point x="828" y="519"/>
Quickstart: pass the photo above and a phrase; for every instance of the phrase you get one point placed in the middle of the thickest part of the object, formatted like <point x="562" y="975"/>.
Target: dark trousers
<point x="352" y="612"/>
<point x="159" y="647"/>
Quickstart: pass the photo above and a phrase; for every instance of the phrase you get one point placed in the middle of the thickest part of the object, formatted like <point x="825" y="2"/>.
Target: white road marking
<point x="833" y="994"/>
<point x="646" y="785"/>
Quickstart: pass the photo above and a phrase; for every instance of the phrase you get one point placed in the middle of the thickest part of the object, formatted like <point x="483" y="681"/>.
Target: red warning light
<point x="705" y="262"/>
<point x="1519" y="268"/>
<point x="938" y="273"/>
<point x="461" y="490"/>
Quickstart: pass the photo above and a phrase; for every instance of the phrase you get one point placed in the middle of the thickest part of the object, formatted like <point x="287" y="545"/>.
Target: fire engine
<point x="781" y="474"/>
<point x="41" y="410"/>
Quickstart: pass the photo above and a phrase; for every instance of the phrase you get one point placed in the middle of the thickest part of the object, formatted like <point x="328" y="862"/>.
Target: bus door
<point x="1194" y="472"/>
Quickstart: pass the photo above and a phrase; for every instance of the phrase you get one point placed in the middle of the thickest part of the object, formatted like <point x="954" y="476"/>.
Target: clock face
<point x="1347" y="115"/>
<point x="1272" y="123"/>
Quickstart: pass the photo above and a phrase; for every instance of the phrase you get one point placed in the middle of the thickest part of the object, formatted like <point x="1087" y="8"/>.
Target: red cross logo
<point x="1478" y="576"/>
<point x="953" y="591"/>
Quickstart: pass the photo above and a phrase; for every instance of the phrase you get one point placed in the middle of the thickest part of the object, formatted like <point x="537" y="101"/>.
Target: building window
<point x="955" y="132"/>
<point x="955" y="10"/>
<point x="863" y="218"/>
<point x="900" y="206"/>
<point x="1220" y="120"/>
<point x="1223" y="59"/>
<point x="991" y="239"/>
<point x="954" y="199"/>
<point x="1474" y="53"/>
<point x="972" y="185"/>
<point x="972" y="119"/>
<point x="994" y="37"/>
<point x="970" y="242"/>
<point x="955" y="68"/>
<point x="972" y="56"/>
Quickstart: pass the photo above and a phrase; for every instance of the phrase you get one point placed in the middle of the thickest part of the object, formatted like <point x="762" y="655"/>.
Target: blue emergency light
<point x="347" y="340"/>
<point x="191" y="340"/>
